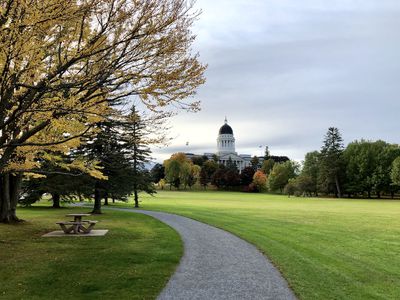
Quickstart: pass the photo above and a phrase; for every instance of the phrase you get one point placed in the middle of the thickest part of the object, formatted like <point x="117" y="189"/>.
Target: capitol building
<point x="226" y="149"/>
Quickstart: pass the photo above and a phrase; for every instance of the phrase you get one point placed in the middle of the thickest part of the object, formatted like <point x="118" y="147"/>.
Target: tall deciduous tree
<point x="267" y="166"/>
<point x="178" y="169"/>
<point x="310" y="172"/>
<point x="395" y="173"/>
<point x="208" y="169"/>
<point x="63" y="63"/>
<point x="280" y="175"/>
<point x="260" y="181"/>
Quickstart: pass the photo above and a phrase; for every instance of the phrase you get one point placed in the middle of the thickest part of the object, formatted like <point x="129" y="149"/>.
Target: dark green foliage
<point x="255" y="163"/>
<point x="395" y="173"/>
<point x="331" y="162"/>
<point x="280" y="175"/>
<point x="267" y="154"/>
<point x="208" y="169"/>
<point x="306" y="185"/>
<point x="368" y="167"/>
<point x="199" y="160"/>
<point x="135" y="138"/>
<point x="204" y="179"/>
<point x="121" y="150"/>
<point x="267" y="166"/>
<point x="218" y="178"/>
<point x="362" y="169"/>
<point x="310" y="171"/>
<point x="225" y="177"/>
<point x="279" y="159"/>
<point x="232" y="178"/>
<point x="291" y="187"/>
<point x="231" y="165"/>
<point x="246" y="176"/>
<point x="157" y="172"/>
<point x="63" y="185"/>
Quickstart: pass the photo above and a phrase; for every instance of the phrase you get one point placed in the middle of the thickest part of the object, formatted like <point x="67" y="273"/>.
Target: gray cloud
<point x="283" y="71"/>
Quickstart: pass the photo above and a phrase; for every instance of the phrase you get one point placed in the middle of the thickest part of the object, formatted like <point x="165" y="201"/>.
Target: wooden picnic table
<point x="78" y="217"/>
<point x="77" y="225"/>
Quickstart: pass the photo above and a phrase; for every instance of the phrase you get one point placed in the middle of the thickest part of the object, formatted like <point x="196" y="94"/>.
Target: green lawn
<point x="133" y="261"/>
<point x="325" y="248"/>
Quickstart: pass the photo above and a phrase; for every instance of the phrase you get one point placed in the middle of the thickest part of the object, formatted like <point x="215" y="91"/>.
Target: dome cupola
<point x="225" y="129"/>
<point x="225" y="140"/>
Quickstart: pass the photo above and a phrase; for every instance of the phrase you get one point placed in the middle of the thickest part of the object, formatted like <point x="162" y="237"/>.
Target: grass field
<point x="325" y="248"/>
<point x="133" y="261"/>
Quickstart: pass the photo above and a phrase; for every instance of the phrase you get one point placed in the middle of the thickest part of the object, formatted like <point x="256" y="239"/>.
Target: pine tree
<point x="136" y="137"/>
<point x="331" y="161"/>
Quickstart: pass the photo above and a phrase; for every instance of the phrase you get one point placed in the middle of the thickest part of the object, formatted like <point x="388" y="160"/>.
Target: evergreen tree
<point x="157" y="172"/>
<point x="254" y="163"/>
<point x="207" y="171"/>
<point x="136" y="140"/>
<point x="331" y="161"/>
<point x="204" y="179"/>
<point x="246" y="176"/>
<point x="231" y="165"/>
<point x="267" y="154"/>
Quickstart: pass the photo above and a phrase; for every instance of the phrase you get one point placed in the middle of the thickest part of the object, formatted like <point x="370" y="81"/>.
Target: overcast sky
<point x="283" y="71"/>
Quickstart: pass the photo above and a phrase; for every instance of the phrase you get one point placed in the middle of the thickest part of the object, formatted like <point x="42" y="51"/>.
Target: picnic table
<point x="77" y="225"/>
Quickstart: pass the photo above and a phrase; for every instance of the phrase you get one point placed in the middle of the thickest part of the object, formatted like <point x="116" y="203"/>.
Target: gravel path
<point x="218" y="265"/>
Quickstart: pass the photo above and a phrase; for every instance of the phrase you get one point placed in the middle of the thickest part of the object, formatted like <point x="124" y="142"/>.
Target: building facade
<point x="226" y="151"/>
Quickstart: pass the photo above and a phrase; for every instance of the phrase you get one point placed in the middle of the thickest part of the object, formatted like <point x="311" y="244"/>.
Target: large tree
<point x="368" y="166"/>
<point x="246" y="176"/>
<point x="395" y="173"/>
<point x="63" y="63"/>
<point x="280" y="175"/>
<point x="207" y="170"/>
<point x="309" y="173"/>
<point x="331" y="161"/>
<point x="178" y="169"/>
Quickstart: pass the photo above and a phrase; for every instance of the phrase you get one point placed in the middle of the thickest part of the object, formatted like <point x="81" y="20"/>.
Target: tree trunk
<point x="369" y="194"/>
<point x="113" y="199"/>
<point x="105" y="199"/>
<point x="56" y="200"/>
<point x="16" y="181"/>
<point x="97" y="200"/>
<point x="339" y="193"/>
<point x="136" y="197"/>
<point x="10" y="187"/>
<point x="378" y="194"/>
<point x="80" y="197"/>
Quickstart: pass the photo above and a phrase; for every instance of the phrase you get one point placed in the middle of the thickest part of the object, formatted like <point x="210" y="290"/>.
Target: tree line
<point x="362" y="169"/>
<point x="266" y="173"/>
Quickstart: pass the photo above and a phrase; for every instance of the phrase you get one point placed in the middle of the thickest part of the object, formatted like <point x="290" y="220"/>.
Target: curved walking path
<point x="218" y="265"/>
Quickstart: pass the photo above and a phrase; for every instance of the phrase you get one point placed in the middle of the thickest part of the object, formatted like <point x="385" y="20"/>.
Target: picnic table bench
<point x="78" y="225"/>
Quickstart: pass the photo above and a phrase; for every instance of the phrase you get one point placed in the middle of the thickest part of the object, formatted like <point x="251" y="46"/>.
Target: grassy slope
<point x="133" y="261"/>
<point x="326" y="248"/>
